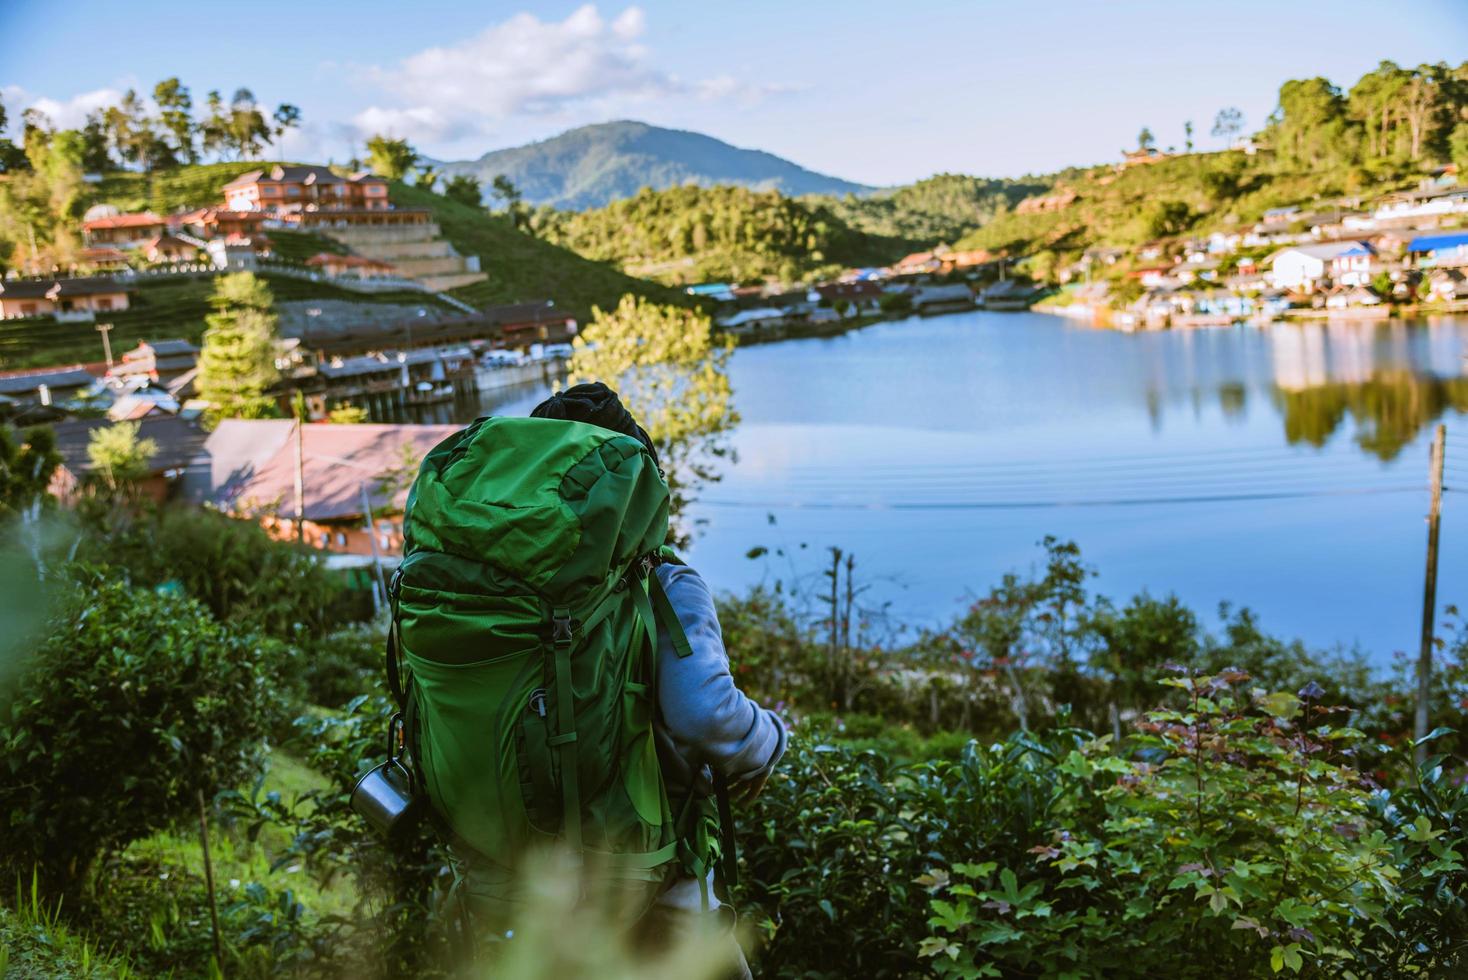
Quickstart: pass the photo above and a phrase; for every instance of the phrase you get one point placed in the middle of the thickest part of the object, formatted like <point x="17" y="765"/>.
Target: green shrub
<point x="1245" y="833"/>
<point x="133" y="704"/>
<point x="234" y="568"/>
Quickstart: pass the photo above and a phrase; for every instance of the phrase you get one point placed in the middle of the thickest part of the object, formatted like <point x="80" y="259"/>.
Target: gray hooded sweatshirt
<point x="704" y="721"/>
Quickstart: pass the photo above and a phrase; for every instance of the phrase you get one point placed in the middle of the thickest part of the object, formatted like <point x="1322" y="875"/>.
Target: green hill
<point x="522" y="267"/>
<point x="697" y="234"/>
<point x="592" y="166"/>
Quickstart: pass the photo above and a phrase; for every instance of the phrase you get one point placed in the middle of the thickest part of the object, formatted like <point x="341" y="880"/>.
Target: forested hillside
<point x="942" y="208"/>
<point x="1323" y="145"/>
<point x="694" y="234"/>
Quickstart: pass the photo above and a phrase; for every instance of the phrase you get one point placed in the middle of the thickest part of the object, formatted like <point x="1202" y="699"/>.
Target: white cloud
<point x="68" y="114"/>
<point x="583" y="66"/>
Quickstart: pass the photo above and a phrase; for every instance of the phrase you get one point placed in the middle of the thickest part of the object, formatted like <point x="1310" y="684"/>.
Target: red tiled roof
<point x="350" y="261"/>
<point x="146" y="219"/>
<point x="339" y="461"/>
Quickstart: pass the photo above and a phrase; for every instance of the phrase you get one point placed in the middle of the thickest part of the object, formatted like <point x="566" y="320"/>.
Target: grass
<point x="35" y="943"/>
<point x="522" y="267"/>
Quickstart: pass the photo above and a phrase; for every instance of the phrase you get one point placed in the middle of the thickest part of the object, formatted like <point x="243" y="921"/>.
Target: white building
<point x="1304" y="266"/>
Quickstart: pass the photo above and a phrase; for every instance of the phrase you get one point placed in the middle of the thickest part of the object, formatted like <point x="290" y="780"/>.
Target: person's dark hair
<point x="596" y="404"/>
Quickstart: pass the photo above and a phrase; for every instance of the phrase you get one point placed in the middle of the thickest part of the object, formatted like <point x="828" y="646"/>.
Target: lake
<point x="1283" y="467"/>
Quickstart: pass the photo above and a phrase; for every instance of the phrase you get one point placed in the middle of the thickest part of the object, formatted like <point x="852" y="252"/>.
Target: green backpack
<point x="525" y="614"/>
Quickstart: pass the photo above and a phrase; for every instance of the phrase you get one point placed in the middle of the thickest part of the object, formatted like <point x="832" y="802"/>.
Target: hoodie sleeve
<point x="712" y="720"/>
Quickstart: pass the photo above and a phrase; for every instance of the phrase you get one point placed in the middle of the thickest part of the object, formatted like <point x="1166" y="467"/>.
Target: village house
<point x="237" y="253"/>
<point x="1437" y="251"/>
<point x="161" y="362"/>
<point x="80" y="298"/>
<point x="1305" y="266"/>
<point x="102" y="258"/>
<point x="356" y="266"/>
<point x="298" y="188"/>
<point x="169" y="249"/>
<point x="918" y="263"/>
<point x="852" y="298"/>
<point x="45" y="386"/>
<point x="1151" y="277"/>
<point x="1351" y="297"/>
<point x="249" y="470"/>
<point x="967" y="259"/>
<point x="1414" y="206"/>
<point x="1446" y="285"/>
<point x="124" y="230"/>
<point x="179" y="443"/>
<point x="211" y="223"/>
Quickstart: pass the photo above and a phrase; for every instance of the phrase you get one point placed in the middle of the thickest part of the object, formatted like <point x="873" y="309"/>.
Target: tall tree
<point x="12" y="157"/>
<point x="1227" y="124"/>
<point x="503" y="189"/>
<point x="426" y="177"/>
<point x="464" y="188"/>
<point x="671" y="372"/>
<point x="1311" y="129"/>
<point x="390" y="158"/>
<point x="248" y="130"/>
<point x="1188" y="136"/>
<point x="286" y="118"/>
<point x="95" y="157"/>
<point x="237" y="361"/>
<point x="1145" y="139"/>
<point x="214" y="130"/>
<point x="175" y="115"/>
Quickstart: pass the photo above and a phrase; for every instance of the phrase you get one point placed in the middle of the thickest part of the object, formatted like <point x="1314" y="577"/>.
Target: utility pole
<point x="1429" y="590"/>
<point x="300" y="407"/>
<point x="104" y="329"/>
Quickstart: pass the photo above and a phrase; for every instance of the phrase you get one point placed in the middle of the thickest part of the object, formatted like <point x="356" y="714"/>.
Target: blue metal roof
<point x="1434" y="243"/>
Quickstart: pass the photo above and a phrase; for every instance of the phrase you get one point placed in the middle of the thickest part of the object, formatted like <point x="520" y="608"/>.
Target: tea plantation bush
<point x="1232" y="838"/>
<point x="132" y="704"/>
<point x="229" y="565"/>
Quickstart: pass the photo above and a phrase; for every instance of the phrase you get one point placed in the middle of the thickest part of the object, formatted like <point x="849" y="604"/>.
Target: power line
<point x="1052" y="504"/>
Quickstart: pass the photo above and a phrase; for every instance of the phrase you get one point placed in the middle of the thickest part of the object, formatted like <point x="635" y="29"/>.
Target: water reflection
<point x="1278" y="467"/>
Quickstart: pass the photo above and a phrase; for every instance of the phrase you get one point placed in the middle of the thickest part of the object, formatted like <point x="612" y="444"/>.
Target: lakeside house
<point x="850" y="298"/>
<point x="1446" y="285"/>
<point x="80" y="298"/>
<point x="169" y="249"/>
<point x="1434" y="251"/>
<point x="248" y="468"/>
<point x="1304" y="267"/>
<point x="295" y="188"/>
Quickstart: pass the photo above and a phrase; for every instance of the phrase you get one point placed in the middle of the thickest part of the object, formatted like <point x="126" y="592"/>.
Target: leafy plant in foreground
<point x="1241" y="830"/>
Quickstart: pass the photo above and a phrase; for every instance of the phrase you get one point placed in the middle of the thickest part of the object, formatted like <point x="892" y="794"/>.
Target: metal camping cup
<point x="385" y="796"/>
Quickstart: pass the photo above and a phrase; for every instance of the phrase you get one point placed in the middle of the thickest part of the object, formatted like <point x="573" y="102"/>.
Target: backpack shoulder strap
<point x="667" y="617"/>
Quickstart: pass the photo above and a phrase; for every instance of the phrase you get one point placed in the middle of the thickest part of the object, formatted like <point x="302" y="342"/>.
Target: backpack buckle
<point x="562" y="630"/>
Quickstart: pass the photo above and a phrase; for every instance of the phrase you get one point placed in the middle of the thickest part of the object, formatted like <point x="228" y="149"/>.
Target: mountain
<point x="592" y="166"/>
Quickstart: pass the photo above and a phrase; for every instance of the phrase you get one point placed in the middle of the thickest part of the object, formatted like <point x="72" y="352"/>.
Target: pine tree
<point x="237" y="362"/>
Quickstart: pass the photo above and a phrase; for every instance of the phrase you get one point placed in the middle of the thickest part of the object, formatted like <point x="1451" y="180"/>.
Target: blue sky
<point x="876" y="92"/>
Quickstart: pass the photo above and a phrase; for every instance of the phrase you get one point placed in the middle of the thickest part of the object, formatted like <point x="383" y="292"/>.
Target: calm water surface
<point x="1283" y="468"/>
